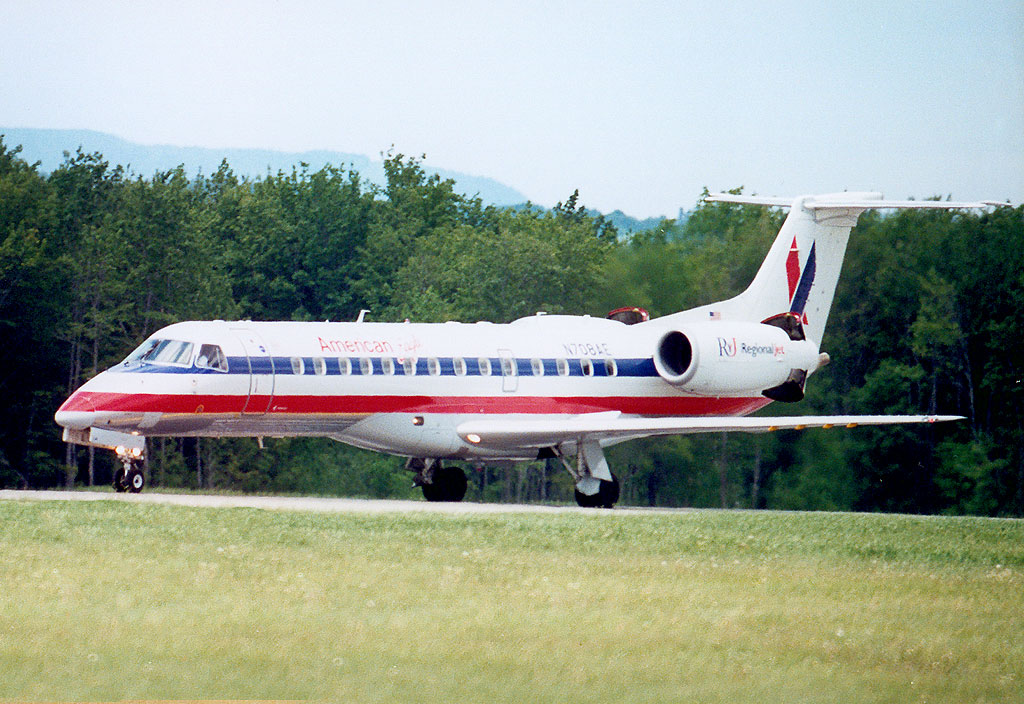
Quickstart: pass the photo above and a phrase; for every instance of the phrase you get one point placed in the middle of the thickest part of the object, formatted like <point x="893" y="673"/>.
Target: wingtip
<point x="945" y="419"/>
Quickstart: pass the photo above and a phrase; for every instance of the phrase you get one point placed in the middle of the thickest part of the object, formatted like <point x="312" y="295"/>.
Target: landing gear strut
<point x="439" y="483"/>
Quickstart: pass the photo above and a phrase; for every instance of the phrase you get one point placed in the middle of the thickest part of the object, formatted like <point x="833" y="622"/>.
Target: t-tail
<point x="797" y="280"/>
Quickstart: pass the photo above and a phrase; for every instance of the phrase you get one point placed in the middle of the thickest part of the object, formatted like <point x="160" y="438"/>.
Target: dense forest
<point x="926" y="319"/>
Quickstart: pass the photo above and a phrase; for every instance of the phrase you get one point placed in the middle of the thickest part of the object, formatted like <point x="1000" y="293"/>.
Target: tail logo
<point x="799" y="283"/>
<point x="793" y="268"/>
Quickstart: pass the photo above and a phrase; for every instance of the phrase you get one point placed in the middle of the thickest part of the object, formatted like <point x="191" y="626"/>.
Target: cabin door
<point x="261" y="371"/>
<point x="509" y="372"/>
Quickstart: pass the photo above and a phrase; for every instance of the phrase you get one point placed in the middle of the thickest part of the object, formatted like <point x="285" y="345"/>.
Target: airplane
<point x="543" y="386"/>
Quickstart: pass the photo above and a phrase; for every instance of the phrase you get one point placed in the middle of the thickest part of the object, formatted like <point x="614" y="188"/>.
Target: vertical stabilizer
<point x="800" y="273"/>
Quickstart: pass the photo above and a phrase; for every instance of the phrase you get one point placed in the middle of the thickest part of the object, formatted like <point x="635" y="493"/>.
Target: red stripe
<point x="321" y="405"/>
<point x="78" y="401"/>
<point x="793" y="268"/>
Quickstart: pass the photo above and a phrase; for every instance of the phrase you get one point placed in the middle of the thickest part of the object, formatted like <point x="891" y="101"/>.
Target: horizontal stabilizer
<point x="847" y="200"/>
<point x="507" y="432"/>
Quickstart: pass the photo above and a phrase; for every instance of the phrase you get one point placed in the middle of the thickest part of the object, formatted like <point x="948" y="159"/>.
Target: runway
<point x="309" y="503"/>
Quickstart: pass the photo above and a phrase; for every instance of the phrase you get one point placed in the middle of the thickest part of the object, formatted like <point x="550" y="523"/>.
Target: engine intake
<point x="676" y="358"/>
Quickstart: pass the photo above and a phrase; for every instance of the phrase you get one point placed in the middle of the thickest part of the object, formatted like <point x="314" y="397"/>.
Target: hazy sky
<point x="637" y="104"/>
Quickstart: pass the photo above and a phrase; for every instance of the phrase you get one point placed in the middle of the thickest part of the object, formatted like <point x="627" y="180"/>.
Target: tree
<point x="32" y="298"/>
<point x="522" y="263"/>
<point x="93" y="259"/>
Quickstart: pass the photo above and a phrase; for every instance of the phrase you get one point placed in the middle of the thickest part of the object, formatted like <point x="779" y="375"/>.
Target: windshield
<point x="162" y="352"/>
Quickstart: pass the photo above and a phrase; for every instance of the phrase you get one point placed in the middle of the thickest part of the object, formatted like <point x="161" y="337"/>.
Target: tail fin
<point x="800" y="273"/>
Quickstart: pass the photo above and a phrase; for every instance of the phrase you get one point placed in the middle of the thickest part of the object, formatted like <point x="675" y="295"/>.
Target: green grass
<point x="103" y="601"/>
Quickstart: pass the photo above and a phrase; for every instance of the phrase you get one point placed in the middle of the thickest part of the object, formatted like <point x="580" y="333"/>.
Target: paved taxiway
<point x="300" y="503"/>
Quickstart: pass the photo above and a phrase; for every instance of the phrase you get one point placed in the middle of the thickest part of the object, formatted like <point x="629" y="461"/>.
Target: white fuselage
<point x="404" y="388"/>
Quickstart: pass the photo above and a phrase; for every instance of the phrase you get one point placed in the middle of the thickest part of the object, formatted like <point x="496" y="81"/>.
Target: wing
<point x="515" y="433"/>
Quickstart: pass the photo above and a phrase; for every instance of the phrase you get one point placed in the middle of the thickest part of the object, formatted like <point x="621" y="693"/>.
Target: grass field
<point x="106" y="601"/>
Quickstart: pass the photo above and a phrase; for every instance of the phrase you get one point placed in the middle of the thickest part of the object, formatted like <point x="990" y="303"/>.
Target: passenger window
<point x="433" y="366"/>
<point x="409" y="365"/>
<point x="508" y="366"/>
<point x="365" y="366"/>
<point x="344" y="366"/>
<point x="610" y="367"/>
<point x="485" y="366"/>
<point x="537" y="366"/>
<point x="298" y="366"/>
<point x="387" y="365"/>
<point x="562" y="366"/>
<point x="587" y="366"/>
<point x="319" y="366"/>
<point x="460" y="366"/>
<point x="212" y="357"/>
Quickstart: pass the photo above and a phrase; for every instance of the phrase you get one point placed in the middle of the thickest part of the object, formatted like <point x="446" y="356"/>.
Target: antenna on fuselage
<point x="362" y="315"/>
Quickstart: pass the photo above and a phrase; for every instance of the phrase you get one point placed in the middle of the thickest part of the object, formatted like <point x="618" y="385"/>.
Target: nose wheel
<point x="129" y="478"/>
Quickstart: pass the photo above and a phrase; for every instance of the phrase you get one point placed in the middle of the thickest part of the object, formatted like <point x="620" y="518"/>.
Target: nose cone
<point x="78" y="412"/>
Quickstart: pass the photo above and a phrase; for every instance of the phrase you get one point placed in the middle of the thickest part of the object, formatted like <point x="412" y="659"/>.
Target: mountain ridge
<point x="47" y="147"/>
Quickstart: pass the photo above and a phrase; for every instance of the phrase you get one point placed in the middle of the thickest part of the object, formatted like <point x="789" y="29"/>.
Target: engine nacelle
<point x="716" y="357"/>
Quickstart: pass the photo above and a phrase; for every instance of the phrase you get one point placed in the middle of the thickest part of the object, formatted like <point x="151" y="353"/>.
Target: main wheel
<point x="135" y="480"/>
<point x="447" y="484"/>
<point x="606" y="497"/>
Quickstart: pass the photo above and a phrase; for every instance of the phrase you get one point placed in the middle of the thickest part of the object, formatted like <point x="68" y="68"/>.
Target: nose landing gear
<point x="129" y="477"/>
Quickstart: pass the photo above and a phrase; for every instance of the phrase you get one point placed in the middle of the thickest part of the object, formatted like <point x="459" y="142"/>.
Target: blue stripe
<point x="803" y="289"/>
<point x="634" y="367"/>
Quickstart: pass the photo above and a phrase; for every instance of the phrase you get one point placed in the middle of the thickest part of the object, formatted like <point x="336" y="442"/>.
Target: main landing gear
<point x="129" y="477"/>
<point x="596" y="486"/>
<point x="439" y="483"/>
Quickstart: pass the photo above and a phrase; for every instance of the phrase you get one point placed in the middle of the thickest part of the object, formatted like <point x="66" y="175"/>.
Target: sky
<point x="639" y="105"/>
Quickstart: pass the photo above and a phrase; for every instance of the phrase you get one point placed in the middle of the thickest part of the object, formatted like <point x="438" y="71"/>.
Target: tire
<point x="448" y="484"/>
<point x="135" y="480"/>
<point x="120" y="481"/>
<point x="432" y="491"/>
<point x="455" y="483"/>
<point x="585" y="501"/>
<point x="606" y="497"/>
<point x="608" y="494"/>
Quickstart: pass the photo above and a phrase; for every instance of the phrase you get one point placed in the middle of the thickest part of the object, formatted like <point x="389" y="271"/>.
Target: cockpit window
<point x="212" y="357"/>
<point x="175" y="352"/>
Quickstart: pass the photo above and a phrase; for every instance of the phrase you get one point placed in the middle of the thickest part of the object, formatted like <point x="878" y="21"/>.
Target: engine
<point x="716" y="358"/>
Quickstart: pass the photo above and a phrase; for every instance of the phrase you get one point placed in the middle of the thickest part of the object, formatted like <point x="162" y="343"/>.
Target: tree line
<point x="94" y="258"/>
